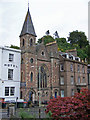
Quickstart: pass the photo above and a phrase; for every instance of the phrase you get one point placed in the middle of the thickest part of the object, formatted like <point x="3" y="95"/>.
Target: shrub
<point x="76" y="107"/>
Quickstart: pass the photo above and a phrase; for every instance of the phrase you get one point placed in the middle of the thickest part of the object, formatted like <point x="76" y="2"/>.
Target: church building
<point x="40" y="66"/>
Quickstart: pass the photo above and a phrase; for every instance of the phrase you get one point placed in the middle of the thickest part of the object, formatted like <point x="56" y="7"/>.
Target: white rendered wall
<point x="15" y="65"/>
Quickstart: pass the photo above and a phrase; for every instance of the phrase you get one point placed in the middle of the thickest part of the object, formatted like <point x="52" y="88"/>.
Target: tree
<point x="46" y="39"/>
<point x="15" y="47"/>
<point x="79" y="38"/>
<point x="76" y="107"/>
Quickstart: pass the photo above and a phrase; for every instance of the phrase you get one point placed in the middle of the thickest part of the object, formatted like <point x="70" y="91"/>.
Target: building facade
<point x="89" y="76"/>
<point x="73" y="74"/>
<point x="89" y="22"/>
<point x="10" y="73"/>
<point x="41" y="68"/>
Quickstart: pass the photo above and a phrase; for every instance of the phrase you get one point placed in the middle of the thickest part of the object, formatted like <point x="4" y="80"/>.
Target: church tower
<point x="27" y="45"/>
<point x="28" y="35"/>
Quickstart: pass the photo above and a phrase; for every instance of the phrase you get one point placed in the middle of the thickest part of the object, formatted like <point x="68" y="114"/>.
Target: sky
<point x="63" y="16"/>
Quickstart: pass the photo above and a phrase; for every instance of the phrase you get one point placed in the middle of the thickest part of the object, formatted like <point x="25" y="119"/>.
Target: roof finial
<point x="28" y="4"/>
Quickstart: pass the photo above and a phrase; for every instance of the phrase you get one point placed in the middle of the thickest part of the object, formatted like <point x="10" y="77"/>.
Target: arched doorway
<point x="31" y="94"/>
<point x="56" y="93"/>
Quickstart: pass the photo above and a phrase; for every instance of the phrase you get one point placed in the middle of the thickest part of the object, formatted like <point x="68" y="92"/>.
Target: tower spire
<point x="28" y="27"/>
<point x="28" y="4"/>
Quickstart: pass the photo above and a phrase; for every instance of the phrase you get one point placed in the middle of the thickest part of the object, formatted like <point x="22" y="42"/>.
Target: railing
<point x="81" y="84"/>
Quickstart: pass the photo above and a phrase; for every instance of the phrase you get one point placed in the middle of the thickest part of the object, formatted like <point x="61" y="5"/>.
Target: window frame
<point x="72" y="92"/>
<point x="71" y="67"/>
<point x="31" y="77"/>
<point x="83" y="69"/>
<point x="10" y="74"/>
<point x="11" y="57"/>
<point x="72" y="80"/>
<point x="79" y="80"/>
<point x="6" y="93"/>
<point x="62" y="93"/>
<point x="31" y="60"/>
<point x="62" y="80"/>
<point x="61" y="67"/>
<point x="12" y="91"/>
<point x="78" y="68"/>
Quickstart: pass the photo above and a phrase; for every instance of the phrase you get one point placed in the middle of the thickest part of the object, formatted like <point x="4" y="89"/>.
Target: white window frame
<point x="10" y="93"/>
<point x="72" y="92"/>
<point x="62" y="93"/>
<point x="11" y="57"/>
<point x="62" y="80"/>
<point x="79" y="80"/>
<point x="83" y="79"/>
<point x="71" y="67"/>
<point x="78" y="68"/>
<point x="6" y="89"/>
<point x="83" y="69"/>
<point x="61" y="67"/>
<point x="10" y="74"/>
<point x="72" y="80"/>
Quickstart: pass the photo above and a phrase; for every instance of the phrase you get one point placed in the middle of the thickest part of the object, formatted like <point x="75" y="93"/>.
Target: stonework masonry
<point x="44" y="70"/>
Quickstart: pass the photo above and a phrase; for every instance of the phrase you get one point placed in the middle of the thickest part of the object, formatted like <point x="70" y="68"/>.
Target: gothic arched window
<point x="31" y="42"/>
<point x="31" y="76"/>
<point x="42" y="77"/>
<point x="23" y="42"/>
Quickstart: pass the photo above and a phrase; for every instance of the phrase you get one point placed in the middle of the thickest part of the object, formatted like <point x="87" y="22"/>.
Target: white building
<point x="10" y="73"/>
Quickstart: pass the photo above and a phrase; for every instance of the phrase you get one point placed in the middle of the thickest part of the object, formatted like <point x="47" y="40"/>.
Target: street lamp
<point x="39" y="87"/>
<point x="39" y="91"/>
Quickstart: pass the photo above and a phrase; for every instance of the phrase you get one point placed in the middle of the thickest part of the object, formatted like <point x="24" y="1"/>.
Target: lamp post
<point x="39" y="87"/>
<point x="39" y="91"/>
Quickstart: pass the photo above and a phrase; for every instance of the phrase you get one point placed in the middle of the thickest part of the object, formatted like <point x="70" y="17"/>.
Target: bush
<point x="76" y="107"/>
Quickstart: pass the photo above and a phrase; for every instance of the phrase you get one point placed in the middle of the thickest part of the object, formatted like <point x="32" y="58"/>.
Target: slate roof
<point x="28" y="27"/>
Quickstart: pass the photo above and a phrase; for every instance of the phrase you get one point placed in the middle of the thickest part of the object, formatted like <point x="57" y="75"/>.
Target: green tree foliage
<point x="15" y="47"/>
<point x="46" y="39"/>
<point x="81" y="53"/>
<point x="79" y="38"/>
<point x="76" y="40"/>
<point x="63" y="45"/>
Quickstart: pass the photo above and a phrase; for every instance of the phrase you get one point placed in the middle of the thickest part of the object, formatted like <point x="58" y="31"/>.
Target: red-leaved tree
<point x="76" y="107"/>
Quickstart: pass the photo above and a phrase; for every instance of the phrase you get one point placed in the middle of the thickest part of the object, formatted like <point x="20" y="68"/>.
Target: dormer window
<point x="65" y="56"/>
<point x="71" y="57"/>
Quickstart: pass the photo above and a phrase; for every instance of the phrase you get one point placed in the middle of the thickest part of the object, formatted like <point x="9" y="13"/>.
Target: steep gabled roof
<point x="28" y="27"/>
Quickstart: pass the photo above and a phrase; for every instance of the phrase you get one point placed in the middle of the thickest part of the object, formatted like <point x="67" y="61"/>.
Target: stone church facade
<point x="40" y="66"/>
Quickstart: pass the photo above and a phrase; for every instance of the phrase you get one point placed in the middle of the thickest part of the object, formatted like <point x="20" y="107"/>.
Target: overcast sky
<point x="62" y="15"/>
